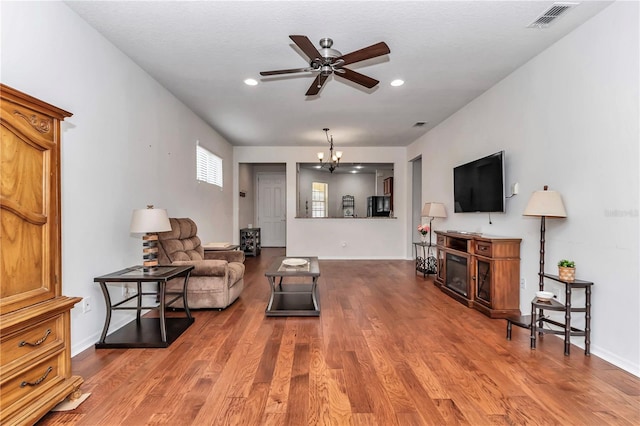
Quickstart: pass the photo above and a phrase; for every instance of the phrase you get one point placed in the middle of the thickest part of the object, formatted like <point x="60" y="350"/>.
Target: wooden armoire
<point x="35" y="319"/>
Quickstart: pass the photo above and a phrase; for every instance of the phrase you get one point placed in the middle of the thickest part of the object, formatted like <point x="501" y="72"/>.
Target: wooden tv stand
<point x="480" y="271"/>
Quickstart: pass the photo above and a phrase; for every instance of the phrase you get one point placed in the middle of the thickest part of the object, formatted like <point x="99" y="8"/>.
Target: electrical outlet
<point x="523" y="283"/>
<point x="86" y="304"/>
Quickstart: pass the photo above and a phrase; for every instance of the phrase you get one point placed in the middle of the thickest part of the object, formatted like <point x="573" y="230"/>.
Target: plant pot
<point x="566" y="274"/>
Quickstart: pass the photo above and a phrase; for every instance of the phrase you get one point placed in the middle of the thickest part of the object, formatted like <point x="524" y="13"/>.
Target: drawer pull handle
<point x="38" y="342"/>
<point x="483" y="248"/>
<point x="40" y="380"/>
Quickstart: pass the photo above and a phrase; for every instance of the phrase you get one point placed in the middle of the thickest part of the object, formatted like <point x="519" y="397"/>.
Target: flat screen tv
<point x="478" y="186"/>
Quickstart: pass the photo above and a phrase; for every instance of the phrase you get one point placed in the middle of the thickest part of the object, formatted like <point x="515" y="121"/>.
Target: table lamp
<point x="149" y="221"/>
<point x="544" y="204"/>
<point x="433" y="210"/>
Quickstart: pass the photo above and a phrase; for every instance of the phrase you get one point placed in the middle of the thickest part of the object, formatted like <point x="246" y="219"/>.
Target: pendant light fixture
<point x="333" y="162"/>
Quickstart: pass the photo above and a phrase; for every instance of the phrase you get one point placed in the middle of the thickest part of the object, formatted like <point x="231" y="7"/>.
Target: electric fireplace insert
<point x="457" y="274"/>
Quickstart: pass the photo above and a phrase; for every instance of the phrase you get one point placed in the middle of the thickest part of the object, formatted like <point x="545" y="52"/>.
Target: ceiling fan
<point x="327" y="61"/>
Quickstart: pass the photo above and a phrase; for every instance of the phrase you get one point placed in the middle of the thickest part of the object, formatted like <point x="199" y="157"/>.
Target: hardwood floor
<point x="388" y="349"/>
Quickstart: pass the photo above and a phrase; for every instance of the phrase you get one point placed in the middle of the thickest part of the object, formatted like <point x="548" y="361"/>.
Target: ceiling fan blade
<point x="356" y="77"/>
<point x="317" y="84"/>
<point x="306" y="46"/>
<point x="372" y="51"/>
<point x="290" y="71"/>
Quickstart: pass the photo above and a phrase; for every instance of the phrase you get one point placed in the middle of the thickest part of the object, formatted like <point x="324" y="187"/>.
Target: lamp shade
<point x="545" y="203"/>
<point x="149" y="220"/>
<point x="434" y="210"/>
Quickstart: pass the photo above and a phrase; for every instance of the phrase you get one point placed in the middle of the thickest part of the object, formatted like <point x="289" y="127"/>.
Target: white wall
<point x="567" y="119"/>
<point x="129" y="143"/>
<point x="362" y="238"/>
<point x="246" y="205"/>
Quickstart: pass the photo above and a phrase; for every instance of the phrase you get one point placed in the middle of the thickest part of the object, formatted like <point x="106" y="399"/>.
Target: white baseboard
<point x="625" y="364"/>
<point x="78" y="347"/>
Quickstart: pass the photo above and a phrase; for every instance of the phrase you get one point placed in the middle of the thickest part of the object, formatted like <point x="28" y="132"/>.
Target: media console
<point x="480" y="271"/>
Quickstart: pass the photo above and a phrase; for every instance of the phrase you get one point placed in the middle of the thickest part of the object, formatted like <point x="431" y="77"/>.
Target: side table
<point x="250" y="241"/>
<point x="145" y="332"/>
<point x="425" y="261"/>
<point x="538" y="320"/>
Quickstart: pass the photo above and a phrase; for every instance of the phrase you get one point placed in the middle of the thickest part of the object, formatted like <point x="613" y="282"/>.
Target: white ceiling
<point x="448" y="52"/>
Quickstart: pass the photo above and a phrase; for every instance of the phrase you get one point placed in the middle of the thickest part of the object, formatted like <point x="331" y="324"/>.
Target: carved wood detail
<point x="41" y="125"/>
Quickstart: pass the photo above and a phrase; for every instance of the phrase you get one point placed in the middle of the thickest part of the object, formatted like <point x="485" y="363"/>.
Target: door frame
<point x="257" y="199"/>
<point x="416" y="200"/>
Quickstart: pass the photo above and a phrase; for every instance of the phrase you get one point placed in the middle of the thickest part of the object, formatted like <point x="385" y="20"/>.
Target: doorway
<point x="271" y="208"/>
<point x="416" y="197"/>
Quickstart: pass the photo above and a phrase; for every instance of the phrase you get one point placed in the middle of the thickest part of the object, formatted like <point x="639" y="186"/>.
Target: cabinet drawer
<point x="483" y="248"/>
<point x="23" y="346"/>
<point x="29" y="384"/>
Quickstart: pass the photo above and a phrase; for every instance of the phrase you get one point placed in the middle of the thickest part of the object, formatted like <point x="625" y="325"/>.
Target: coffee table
<point x="296" y="291"/>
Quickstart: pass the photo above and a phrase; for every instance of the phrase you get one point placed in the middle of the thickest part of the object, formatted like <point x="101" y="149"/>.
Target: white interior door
<point x="272" y="217"/>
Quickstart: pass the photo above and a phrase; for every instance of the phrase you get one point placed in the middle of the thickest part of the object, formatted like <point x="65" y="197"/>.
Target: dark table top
<point x="135" y="274"/>
<point x="574" y="283"/>
<point x="310" y="269"/>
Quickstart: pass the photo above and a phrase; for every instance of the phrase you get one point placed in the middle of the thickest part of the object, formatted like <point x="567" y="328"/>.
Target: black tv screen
<point x="478" y="186"/>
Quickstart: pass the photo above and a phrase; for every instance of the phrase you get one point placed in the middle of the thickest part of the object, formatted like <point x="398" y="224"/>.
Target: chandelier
<point x="334" y="159"/>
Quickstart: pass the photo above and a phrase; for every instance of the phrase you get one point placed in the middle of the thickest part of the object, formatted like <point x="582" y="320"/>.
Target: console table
<point x="145" y="332"/>
<point x="480" y="271"/>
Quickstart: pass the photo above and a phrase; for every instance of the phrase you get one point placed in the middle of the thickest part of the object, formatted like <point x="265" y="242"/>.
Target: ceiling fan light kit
<point x="328" y="61"/>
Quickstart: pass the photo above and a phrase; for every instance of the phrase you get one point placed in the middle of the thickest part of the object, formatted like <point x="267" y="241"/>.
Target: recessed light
<point x="397" y="82"/>
<point x="358" y="167"/>
<point x="354" y="171"/>
<point x="251" y="82"/>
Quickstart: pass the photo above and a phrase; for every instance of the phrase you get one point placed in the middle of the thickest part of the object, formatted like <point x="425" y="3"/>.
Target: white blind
<point x="208" y="166"/>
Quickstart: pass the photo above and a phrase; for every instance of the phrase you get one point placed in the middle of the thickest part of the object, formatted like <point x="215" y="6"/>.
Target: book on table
<point x="217" y="246"/>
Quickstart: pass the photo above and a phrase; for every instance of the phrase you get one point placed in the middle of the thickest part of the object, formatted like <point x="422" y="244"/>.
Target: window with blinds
<point x="319" y="197"/>
<point x="208" y="166"/>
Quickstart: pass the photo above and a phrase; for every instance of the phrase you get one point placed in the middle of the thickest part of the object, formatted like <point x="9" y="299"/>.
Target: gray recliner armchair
<point x="218" y="277"/>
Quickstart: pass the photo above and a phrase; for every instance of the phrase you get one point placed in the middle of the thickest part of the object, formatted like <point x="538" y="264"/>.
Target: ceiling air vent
<point x="420" y="124"/>
<point x="551" y="14"/>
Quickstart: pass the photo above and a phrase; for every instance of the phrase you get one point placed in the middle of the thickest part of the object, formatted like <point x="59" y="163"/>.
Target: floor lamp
<point x="544" y="204"/>
<point x="432" y="210"/>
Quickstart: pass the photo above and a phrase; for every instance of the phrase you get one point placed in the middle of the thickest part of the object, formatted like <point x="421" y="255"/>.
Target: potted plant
<point x="567" y="270"/>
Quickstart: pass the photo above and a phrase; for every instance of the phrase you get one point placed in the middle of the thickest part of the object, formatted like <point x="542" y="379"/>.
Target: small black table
<point x="145" y="332"/>
<point x="425" y="261"/>
<point x="538" y="319"/>
<point x="293" y="299"/>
